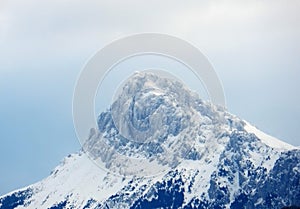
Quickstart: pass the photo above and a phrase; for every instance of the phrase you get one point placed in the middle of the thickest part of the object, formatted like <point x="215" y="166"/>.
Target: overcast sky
<point x="253" y="45"/>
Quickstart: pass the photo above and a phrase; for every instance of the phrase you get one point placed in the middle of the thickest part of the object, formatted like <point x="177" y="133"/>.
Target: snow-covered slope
<point x="267" y="139"/>
<point x="160" y="146"/>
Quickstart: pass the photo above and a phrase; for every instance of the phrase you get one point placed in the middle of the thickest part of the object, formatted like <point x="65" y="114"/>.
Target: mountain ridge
<point x="200" y="156"/>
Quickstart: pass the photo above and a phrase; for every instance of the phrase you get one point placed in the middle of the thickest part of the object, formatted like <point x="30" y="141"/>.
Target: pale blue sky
<point x="253" y="45"/>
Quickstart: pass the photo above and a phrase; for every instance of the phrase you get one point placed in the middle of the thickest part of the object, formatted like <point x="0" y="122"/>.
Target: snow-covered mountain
<point x="160" y="146"/>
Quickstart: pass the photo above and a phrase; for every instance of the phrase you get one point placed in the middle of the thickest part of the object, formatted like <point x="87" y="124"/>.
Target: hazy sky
<point x="253" y="45"/>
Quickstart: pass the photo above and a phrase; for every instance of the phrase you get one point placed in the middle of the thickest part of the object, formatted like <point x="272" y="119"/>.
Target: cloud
<point x="79" y="24"/>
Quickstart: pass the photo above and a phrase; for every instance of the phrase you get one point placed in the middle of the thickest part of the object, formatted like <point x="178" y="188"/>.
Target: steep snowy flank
<point x="267" y="139"/>
<point x="160" y="146"/>
<point x="75" y="181"/>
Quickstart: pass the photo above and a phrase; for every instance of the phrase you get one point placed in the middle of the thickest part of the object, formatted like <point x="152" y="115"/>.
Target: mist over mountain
<point x="160" y="146"/>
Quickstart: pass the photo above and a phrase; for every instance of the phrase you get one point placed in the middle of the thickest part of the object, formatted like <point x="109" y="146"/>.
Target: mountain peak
<point x="161" y="146"/>
<point x="159" y="122"/>
<point x="148" y="82"/>
<point x="147" y="103"/>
